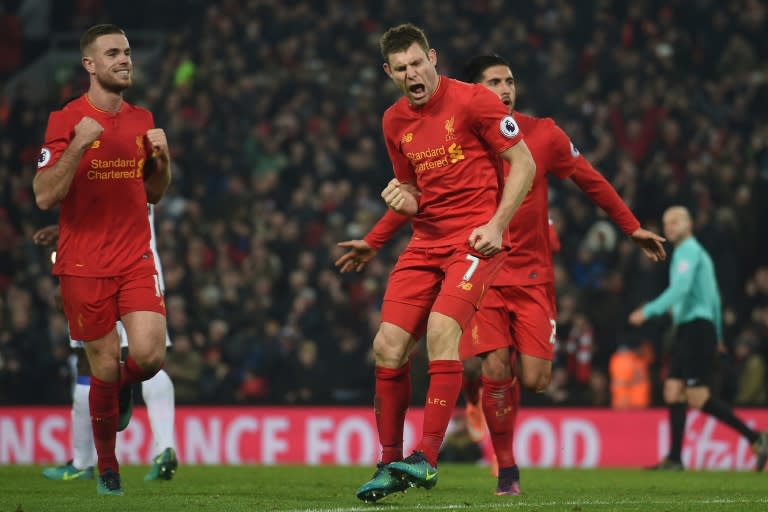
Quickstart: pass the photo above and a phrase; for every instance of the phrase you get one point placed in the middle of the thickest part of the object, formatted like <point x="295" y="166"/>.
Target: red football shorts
<point x="93" y="304"/>
<point x="449" y="280"/>
<point x="520" y="317"/>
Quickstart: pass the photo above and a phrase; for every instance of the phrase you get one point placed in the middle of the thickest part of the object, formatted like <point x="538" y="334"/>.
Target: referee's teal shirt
<point x="692" y="292"/>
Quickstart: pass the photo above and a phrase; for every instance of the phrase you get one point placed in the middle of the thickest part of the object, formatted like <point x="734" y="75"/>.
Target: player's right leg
<point x="91" y="308"/>
<point x="408" y="297"/>
<point x="392" y="345"/>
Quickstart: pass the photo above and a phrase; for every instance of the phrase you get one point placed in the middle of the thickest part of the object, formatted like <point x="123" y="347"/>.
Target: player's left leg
<point x="535" y="331"/>
<point x="445" y="372"/>
<point x="466" y="278"/>
<point x="146" y="346"/>
<point x="531" y="312"/>
<point x="500" y="408"/>
<point x="142" y="313"/>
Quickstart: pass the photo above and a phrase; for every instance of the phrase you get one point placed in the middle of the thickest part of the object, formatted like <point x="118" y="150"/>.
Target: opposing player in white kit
<point x="157" y="392"/>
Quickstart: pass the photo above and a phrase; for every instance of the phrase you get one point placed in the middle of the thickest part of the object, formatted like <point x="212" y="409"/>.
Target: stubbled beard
<point x="113" y="86"/>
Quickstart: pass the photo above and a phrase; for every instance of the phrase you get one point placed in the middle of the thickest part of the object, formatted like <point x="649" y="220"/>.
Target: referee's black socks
<point x="724" y="413"/>
<point x="677" y="413"/>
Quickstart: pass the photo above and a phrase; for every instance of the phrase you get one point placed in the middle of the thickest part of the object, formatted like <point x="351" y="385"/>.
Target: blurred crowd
<point x="273" y="108"/>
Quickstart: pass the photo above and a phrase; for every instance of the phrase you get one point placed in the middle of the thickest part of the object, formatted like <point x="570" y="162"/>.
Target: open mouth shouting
<point x="417" y="91"/>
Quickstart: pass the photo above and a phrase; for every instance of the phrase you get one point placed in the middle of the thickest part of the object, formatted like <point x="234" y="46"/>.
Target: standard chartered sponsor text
<point x="428" y="153"/>
<point x="116" y="169"/>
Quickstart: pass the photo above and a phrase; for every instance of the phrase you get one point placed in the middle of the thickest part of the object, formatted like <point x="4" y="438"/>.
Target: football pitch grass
<point x="329" y="488"/>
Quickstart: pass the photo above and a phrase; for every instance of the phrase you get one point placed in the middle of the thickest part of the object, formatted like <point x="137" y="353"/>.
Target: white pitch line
<point x="506" y="503"/>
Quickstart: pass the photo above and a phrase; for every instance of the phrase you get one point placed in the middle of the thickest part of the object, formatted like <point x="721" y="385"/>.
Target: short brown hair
<point x="96" y="31"/>
<point x="400" y="38"/>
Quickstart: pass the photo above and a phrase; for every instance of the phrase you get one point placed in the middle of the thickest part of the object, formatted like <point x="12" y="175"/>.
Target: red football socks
<point x="131" y="373"/>
<point x="500" y="409"/>
<point x="102" y="400"/>
<point x="393" y="394"/>
<point x="444" y="387"/>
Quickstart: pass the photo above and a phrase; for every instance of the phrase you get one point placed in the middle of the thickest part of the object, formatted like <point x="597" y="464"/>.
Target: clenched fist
<point x="159" y="143"/>
<point x="400" y="198"/>
<point x="87" y="131"/>
<point x="487" y="239"/>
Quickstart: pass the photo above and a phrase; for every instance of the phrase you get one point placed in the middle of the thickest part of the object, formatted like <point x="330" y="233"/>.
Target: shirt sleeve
<point x="681" y="281"/>
<point x="568" y="162"/>
<point x="400" y="164"/>
<point x="491" y="120"/>
<point x="58" y="135"/>
<point x="389" y="224"/>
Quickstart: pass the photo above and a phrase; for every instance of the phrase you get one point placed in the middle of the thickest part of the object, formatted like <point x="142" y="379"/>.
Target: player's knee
<point x="151" y="360"/>
<point x="496" y="369"/>
<point x="536" y="381"/>
<point x="390" y="350"/>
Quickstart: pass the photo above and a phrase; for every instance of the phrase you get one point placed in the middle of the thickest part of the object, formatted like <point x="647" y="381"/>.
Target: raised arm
<point x="51" y="184"/>
<point x="570" y="163"/>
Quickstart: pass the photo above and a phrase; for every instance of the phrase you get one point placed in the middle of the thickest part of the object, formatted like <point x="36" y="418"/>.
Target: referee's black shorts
<point x="693" y="355"/>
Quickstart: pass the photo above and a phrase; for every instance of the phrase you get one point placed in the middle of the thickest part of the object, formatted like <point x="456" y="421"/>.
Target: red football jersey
<point x="103" y="225"/>
<point x="530" y="258"/>
<point x="531" y="236"/>
<point x="449" y="147"/>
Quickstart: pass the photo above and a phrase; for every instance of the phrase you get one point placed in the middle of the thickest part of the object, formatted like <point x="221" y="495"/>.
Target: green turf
<point x="461" y="487"/>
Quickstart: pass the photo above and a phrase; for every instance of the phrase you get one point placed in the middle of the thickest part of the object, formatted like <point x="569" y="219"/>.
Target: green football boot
<point x="68" y="472"/>
<point x="108" y="484"/>
<point x="381" y="484"/>
<point x="416" y="470"/>
<point x="163" y="466"/>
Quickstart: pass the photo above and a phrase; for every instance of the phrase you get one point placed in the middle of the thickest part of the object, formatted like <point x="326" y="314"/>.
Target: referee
<point x="693" y="298"/>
